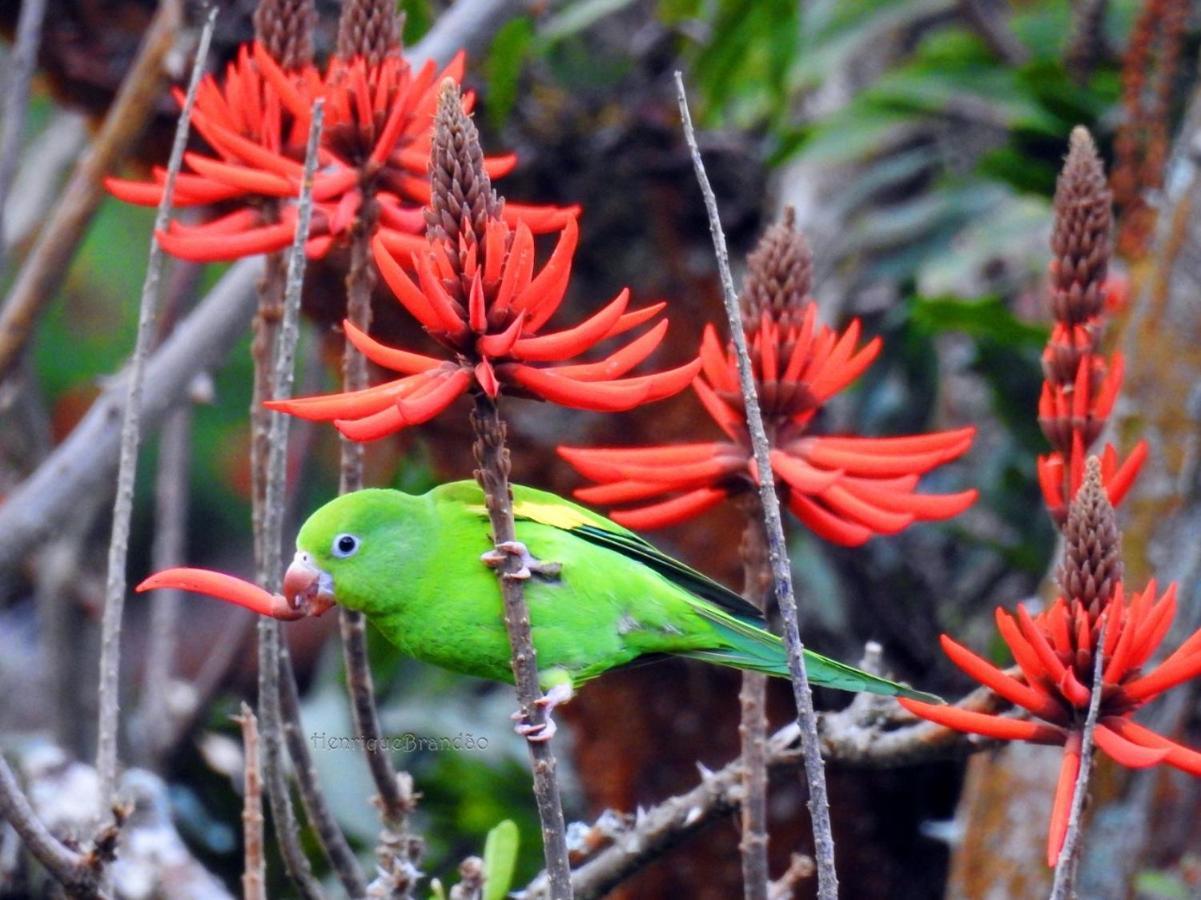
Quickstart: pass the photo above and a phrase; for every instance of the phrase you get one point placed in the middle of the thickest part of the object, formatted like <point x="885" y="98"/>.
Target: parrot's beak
<point x="308" y="589"/>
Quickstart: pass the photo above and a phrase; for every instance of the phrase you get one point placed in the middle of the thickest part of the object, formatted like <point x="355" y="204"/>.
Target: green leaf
<point x="419" y="16"/>
<point x="985" y="318"/>
<point x="500" y="858"/>
<point x="502" y="69"/>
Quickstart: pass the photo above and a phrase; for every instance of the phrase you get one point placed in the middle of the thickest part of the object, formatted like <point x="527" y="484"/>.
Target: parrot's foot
<point x="530" y="565"/>
<point x="556" y="696"/>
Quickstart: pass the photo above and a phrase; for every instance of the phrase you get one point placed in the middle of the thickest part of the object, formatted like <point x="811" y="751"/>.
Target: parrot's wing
<point x="550" y="509"/>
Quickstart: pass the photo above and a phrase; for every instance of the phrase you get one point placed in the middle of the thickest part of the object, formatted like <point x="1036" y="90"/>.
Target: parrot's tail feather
<point x="765" y="652"/>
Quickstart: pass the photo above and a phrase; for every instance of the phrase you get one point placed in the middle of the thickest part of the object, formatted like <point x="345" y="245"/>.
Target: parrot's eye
<point x="345" y="545"/>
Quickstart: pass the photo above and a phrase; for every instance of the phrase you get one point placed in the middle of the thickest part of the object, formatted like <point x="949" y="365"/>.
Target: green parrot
<point x="599" y="596"/>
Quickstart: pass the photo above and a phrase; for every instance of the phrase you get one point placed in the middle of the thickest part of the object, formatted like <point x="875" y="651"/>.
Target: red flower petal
<point x="825" y="524"/>
<point x="201" y="247"/>
<point x="618" y="363"/>
<point x="617" y="492"/>
<point x="1037" y="701"/>
<point x="986" y="724"/>
<point x="635" y="318"/>
<point x="614" y="396"/>
<point x="670" y="512"/>
<point x="800" y="475"/>
<point x="1065" y="789"/>
<point x="388" y="357"/>
<point x="403" y="288"/>
<point x="222" y="587"/>
<point x="1126" y="752"/>
<point x="495" y="346"/>
<point x="565" y="344"/>
<point x="1183" y="758"/>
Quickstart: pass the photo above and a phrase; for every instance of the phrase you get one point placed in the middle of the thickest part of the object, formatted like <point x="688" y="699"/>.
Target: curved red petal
<point x="825" y="524"/>
<point x="564" y="344"/>
<point x="669" y="512"/>
<point x="1125" y="752"/>
<point x="389" y="357"/>
<point x="1038" y="702"/>
<point x="621" y="361"/>
<point x="1061" y="806"/>
<point x="222" y="587"/>
<point x="986" y="724"/>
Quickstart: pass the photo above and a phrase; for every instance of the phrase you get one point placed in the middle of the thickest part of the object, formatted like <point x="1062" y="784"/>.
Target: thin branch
<point x="68" y="867"/>
<point x="114" y="598"/>
<point x="48" y="261"/>
<point x="393" y="851"/>
<point x="254" y="874"/>
<point x="756" y="587"/>
<point x="341" y="858"/>
<point x="492" y="459"/>
<point x="1062" y="888"/>
<point x="856" y="736"/>
<point x="267" y="545"/>
<point x="84" y="463"/>
<point x="819" y="806"/>
<point x="16" y="99"/>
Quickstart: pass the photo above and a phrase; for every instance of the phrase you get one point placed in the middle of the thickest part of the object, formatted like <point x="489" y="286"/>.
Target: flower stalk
<point x="819" y="805"/>
<point x="131" y="434"/>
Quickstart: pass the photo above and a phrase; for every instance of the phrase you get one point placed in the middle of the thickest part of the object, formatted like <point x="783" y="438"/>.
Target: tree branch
<point x="756" y="587"/>
<point x="270" y="524"/>
<point x="131" y="434"/>
<point x="84" y="463"/>
<point x="864" y="735"/>
<point x="1069" y="854"/>
<point x="68" y="867"/>
<point x="254" y="873"/>
<point x="16" y="100"/>
<point x="48" y="261"/>
<point x="819" y="805"/>
<point x="492" y="457"/>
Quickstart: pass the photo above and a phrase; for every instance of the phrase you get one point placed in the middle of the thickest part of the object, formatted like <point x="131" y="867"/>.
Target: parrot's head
<point x="339" y="548"/>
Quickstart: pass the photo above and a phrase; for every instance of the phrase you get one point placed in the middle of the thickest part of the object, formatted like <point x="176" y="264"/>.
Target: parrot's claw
<point x="530" y="565"/>
<point x="556" y="696"/>
<point x="538" y="734"/>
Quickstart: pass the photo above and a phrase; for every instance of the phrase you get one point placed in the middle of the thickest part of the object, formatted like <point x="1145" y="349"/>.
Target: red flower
<point x="845" y="488"/>
<point x="376" y="137"/>
<point x="1054" y="652"/>
<point x="476" y="293"/>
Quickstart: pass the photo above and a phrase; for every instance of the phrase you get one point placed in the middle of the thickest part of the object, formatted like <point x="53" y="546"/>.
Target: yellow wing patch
<point x="556" y="515"/>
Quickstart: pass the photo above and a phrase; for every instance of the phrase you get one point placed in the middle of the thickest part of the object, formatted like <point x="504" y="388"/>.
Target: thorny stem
<point x="756" y="587"/>
<point x="1063" y="887"/>
<point x="16" y="99"/>
<point x="114" y="597"/>
<point x="819" y="806"/>
<point x="268" y="563"/>
<point x="254" y="886"/>
<point x="854" y="736"/>
<point x="492" y="457"/>
<point x="394" y="849"/>
<point x="45" y="264"/>
<point x="68" y="867"/>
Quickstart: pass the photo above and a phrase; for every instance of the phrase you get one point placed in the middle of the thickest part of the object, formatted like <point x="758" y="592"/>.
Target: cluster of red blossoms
<point x="477" y="295"/>
<point x="374" y="150"/>
<point x="1057" y="650"/>
<point x="1080" y="383"/>
<point x="845" y="488"/>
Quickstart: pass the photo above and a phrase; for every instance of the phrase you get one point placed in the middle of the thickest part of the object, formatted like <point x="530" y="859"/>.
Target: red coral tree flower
<point x="1081" y="384"/>
<point x="476" y="293"/>
<point x="1055" y="653"/>
<point x="375" y="147"/>
<point x="845" y="488"/>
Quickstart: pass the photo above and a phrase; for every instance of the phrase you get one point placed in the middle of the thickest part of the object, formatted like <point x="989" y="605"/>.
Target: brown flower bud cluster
<point x="1092" y="563"/>
<point x="285" y="30"/>
<point x="778" y="276"/>
<point x="369" y="29"/>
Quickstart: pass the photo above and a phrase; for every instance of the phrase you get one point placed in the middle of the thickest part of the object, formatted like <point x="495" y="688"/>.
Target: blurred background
<point x="918" y="141"/>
